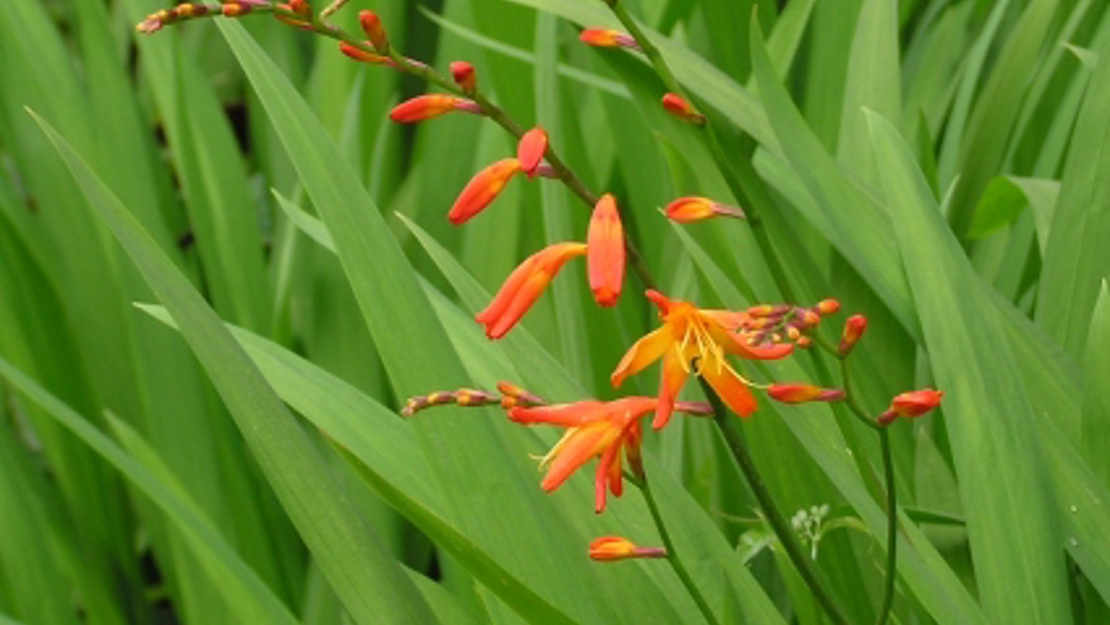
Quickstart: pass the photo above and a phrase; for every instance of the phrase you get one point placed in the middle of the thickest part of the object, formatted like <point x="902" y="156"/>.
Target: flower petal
<point x="579" y="446"/>
<point x="729" y="386"/>
<point x="643" y="352"/>
<point x="675" y="372"/>
<point x="566" y="415"/>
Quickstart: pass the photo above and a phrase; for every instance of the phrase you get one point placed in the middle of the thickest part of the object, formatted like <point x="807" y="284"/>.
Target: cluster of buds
<point x="190" y="10"/>
<point x="508" y="396"/>
<point x="778" y="323"/>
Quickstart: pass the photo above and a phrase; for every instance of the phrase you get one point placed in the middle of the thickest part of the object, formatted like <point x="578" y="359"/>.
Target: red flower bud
<point x="482" y="189"/>
<point x="681" y="108"/>
<point x="911" y="405"/>
<point x="686" y="210"/>
<point x="611" y="548"/>
<point x="429" y="106"/>
<point x="465" y="76"/>
<point x="801" y="393"/>
<point x="372" y="26"/>
<point x="853" y="330"/>
<point x="530" y="150"/>
<point x="606" y="38"/>
<point x="606" y="256"/>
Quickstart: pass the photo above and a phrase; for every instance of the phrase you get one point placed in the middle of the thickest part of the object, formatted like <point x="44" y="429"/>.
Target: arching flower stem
<point x="726" y="423"/>
<point x="672" y="554"/>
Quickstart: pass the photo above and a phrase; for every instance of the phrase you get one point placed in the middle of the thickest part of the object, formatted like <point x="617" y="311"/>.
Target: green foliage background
<point x="222" y="269"/>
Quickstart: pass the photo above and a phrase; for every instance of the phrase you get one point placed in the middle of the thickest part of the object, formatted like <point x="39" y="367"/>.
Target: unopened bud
<point x="612" y="548"/>
<point x="853" y="330"/>
<point x="681" y="108"/>
<point x="465" y="76"/>
<point x="911" y="405"/>
<point x="801" y="393"/>
<point x="301" y="7"/>
<point x="530" y="150"/>
<point x="828" y="306"/>
<point x="519" y="396"/>
<point x="607" y="38"/>
<point x="375" y="32"/>
<point x="691" y="209"/>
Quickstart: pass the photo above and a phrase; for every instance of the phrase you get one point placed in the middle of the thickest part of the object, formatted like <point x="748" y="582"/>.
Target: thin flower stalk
<point x="787" y="538"/>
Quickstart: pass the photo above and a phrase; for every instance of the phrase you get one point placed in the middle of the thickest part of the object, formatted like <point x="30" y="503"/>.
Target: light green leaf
<point x="989" y="419"/>
<point x="372" y="586"/>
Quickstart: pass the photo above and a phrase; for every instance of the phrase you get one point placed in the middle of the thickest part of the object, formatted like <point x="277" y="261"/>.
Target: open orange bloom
<point x="692" y="334"/>
<point x="595" y="429"/>
<point x="605" y="258"/>
<point x="482" y="189"/>
<point x="524" y="286"/>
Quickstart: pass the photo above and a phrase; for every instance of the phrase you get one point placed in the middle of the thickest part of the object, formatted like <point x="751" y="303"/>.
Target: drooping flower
<point x="465" y="76"/>
<point x="607" y="38"/>
<point x="686" y="210"/>
<point x="911" y="404"/>
<point x="430" y="106"/>
<point x="612" y="548"/>
<point x="802" y="393"/>
<point x="524" y="286"/>
<point x="595" y="429"/>
<point x="681" y="108"/>
<point x="530" y="150"/>
<point x="482" y="189"/>
<point x="853" y="330"/>
<point x="606" y="255"/>
<point x="694" y="335"/>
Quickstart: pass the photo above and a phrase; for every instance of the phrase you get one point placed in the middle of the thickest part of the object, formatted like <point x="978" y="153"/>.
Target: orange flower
<point x="464" y="75"/>
<point x="595" y="429"/>
<point x="482" y="189"/>
<point x="524" y="286"/>
<point x="530" y="150"/>
<point x="605" y="257"/>
<point x="853" y="330"/>
<point x="375" y="32"/>
<point x="911" y="404"/>
<point x="686" y="210"/>
<point x="611" y="548"/>
<point x="801" y="393"/>
<point x="692" y="334"/>
<point x="430" y="106"/>
<point x="606" y="38"/>
<point x="680" y="107"/>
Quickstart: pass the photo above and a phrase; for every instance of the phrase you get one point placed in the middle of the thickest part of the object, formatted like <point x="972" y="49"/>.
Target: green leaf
<point x="244" y="591"/>
<point x="1001" y="203"/>
<point x="1076" y="259"/>
<point x="989" y="419"/>
<point x="466" y="454"/>
<point x="1096" y="394"/>
<point x="371" y="586"/>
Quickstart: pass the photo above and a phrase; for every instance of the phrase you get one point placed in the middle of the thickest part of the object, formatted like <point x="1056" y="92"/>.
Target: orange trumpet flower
<point x="690" y="335"/>
<point x="429" y="106"/>
<point x="595" y="429"/>
<point x="482" y="189"/>
<point x="524" y="286"/>
<point x="606" y="256"/>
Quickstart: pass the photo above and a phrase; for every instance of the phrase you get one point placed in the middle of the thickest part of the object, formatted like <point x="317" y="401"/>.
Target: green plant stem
<point x="782" y="529"/>
<point x="891" y="528"/>
<point x="672" y="554"/>
<point x="563" y="172"/>
<point x="708" y="134"/>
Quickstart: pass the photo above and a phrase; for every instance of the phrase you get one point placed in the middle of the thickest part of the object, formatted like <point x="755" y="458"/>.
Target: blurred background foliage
<point x="938" y="165"/>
